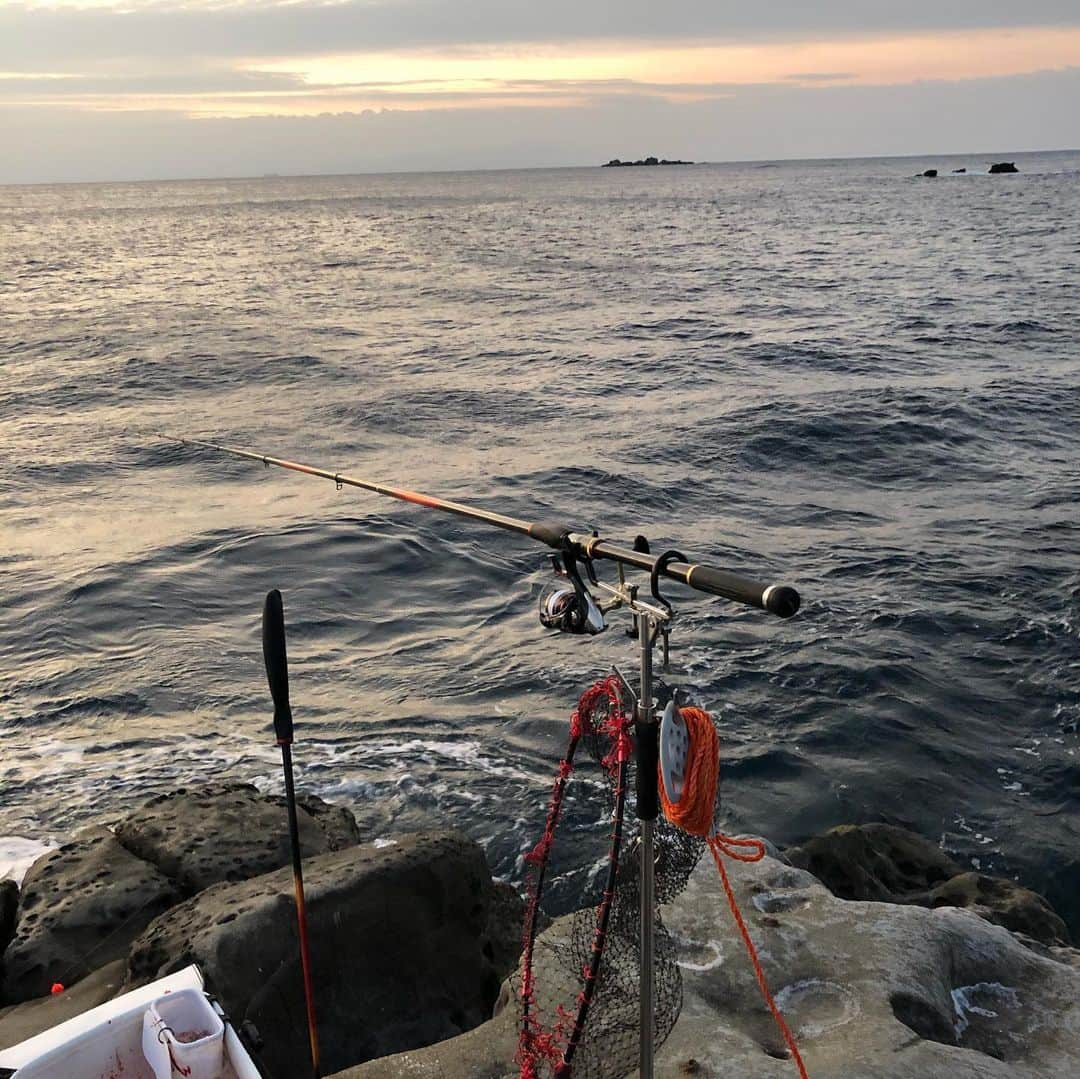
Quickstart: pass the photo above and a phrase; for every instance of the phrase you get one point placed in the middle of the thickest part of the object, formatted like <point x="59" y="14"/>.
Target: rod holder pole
<point x="647" y="811"/>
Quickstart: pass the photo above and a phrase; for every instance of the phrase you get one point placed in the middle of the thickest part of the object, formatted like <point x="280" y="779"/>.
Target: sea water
<point x="830" y="374"/>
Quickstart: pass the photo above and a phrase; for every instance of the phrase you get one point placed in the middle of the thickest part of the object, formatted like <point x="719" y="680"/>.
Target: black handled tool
<point x="277" y="673"/>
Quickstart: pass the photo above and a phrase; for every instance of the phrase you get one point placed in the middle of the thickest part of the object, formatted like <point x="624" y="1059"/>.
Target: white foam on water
<point x="17" y="855"/>
<point x="56" y="749"/>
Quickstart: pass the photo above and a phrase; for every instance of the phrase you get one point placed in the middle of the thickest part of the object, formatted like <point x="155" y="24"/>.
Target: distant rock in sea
<point x="955" y="171"/>
<point x="930" y="174"/>
<point x="1002" y="166"/>
<point x="615" y="163"/>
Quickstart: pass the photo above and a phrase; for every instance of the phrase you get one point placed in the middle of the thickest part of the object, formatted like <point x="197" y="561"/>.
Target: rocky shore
<point x="888" y="959"/>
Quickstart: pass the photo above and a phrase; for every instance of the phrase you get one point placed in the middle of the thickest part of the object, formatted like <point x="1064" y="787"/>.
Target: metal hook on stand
<point x="661" y="565"/>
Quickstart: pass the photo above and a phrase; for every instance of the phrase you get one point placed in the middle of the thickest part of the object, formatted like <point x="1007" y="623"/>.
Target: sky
<point x="154" y="89"/>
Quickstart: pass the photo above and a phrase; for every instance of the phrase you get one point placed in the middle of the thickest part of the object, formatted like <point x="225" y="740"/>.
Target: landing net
<point x="579" y="985"/>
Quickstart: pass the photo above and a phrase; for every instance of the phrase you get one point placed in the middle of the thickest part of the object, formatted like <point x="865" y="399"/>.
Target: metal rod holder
<point x="647" y="810"/>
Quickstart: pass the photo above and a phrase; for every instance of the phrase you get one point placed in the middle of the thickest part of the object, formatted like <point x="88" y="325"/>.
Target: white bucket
<point x="182" y="1029"/>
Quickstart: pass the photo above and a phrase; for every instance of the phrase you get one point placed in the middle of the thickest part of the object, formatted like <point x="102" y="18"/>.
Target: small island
<point x="615" y="163"/>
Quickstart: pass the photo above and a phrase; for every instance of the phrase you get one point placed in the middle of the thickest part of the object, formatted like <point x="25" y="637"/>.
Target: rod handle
<point x="778" y="599"/>
<point x="277" y="665"/>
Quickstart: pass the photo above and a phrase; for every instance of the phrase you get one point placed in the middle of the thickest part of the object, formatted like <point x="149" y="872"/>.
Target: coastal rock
<point x="874" y="861"/>
<point x="1000" y="167"/>
<point x="502" y="936"/>
<point x="871" y="989"/>
<point x="1003" y="902"/>
<point x="401" y="946"/>
<point x="231" y="832"/>
<point x="337" y="824"/>
<point x="80" y="907"/>
<point x="883" y="862"/>
<point x="930" y="174"/>
<point x="9" y="904"/>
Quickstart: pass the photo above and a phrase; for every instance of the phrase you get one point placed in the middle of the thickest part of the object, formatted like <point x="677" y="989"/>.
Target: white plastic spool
<point x="184" y="1028"/>
<point x="674" y="750"/>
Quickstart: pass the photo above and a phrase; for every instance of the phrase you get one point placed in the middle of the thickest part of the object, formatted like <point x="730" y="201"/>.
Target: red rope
<point x="694" y="813"/>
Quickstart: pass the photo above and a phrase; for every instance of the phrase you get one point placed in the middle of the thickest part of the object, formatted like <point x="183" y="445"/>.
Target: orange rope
<point x="694" y="813"/>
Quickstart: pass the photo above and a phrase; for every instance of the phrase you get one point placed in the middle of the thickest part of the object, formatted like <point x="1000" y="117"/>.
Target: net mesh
<point x="609" y="1044"/>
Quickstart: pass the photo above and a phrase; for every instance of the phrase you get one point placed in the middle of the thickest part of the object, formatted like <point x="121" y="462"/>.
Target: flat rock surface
<point x="22" y="1021"/>
<point x="872" y="990"/>
<point x="80" y="907"/>
<point x="230" y="832"/>
<point x="401" y="945"/>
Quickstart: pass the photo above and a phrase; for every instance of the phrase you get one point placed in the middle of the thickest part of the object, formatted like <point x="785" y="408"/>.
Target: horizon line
<point x="240" y="178"/>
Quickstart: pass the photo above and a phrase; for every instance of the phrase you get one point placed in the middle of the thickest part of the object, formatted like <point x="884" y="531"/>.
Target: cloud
<point x="218" y="61"/>
<point x="181" y="82"/>
<point x="515" y="78"/>
<point x="999" y="116"/>
<point x="820" y="76"/>
<point x="57" y="37"/>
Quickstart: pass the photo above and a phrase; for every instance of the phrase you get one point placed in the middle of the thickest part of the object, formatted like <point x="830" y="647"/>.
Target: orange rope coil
<point x="694" y="813"/>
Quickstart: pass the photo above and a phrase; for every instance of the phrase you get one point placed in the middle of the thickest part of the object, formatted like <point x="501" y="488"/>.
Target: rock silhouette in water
<point x="615" y="163"/>
<point x="1002" y="166"/>
<point x="930" y="174"/>
<point x="959" y="170"/>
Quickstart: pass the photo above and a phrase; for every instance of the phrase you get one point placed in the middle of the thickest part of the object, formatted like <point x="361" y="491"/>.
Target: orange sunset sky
<point x="482" y="83"/>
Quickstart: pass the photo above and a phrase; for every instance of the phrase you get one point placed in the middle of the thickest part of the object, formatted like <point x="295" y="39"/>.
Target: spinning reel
<point x="566" y="604"/>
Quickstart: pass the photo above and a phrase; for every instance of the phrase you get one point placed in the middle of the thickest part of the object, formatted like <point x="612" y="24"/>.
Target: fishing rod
<point x="777" y="599"/>
<point x="577" y="604"/>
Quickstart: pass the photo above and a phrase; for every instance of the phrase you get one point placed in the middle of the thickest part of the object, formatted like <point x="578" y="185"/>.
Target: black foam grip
<point x="777" y="599"/>
<point x="648" y="761"/>
<point x="277" y="664"/>
<point x="553" y="533"/>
